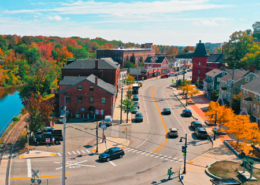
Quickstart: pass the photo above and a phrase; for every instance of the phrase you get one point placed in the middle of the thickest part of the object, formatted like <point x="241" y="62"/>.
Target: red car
<point x="165" y="76"/>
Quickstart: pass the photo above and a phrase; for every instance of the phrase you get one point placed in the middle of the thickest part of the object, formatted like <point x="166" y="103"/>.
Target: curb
<point x="210" y="174"/>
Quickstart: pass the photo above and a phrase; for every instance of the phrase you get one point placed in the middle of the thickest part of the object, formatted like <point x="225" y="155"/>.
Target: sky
<point x="162" y="22"/>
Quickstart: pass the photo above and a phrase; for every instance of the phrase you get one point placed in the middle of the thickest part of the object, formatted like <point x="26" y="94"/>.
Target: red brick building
<point x="158" y="64"/>
<point x="203" y="63"/>
<point x="120" y="55"/>
<point x="86" y="96"/>
<point x="104" y="68"/>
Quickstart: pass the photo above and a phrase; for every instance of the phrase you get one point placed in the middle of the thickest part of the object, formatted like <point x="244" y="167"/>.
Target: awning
<point x="149" y="71"/>
<point x="248" y="99"/>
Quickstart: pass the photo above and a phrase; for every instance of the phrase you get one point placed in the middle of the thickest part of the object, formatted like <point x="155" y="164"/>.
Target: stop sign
<point x="48" y="140"/>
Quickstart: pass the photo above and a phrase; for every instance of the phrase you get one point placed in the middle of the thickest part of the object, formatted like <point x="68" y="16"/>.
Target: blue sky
<point x="166" y="22"/>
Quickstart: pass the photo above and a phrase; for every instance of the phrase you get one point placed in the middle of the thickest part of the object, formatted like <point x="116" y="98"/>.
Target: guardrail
<point x="8" y="124"/>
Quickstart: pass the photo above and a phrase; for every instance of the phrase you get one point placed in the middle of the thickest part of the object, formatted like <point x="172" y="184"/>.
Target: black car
<point x="111" y="153"/>
<point x="187" y="113"/>
<point x="166" y="111"/>
<point x="139" y="116"/>
<point x="196" y="124"/>
<point x="135" y="97"/>
<point x="201" y="132"/>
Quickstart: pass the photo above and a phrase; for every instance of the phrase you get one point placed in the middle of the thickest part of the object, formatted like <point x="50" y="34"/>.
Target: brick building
<point x="120" y="55"/>
<point x="157" y="64"/>
<point x="104" y="68"/>
<point x="86" y="96"/>
<point x="203" y="62"/>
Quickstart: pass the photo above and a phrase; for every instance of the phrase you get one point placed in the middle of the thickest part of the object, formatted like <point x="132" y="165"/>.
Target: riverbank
<point x="13" y="86"/>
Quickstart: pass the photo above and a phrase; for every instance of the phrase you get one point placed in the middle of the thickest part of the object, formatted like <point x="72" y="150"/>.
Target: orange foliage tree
<point x="63" y="54"/>
<point x="188" y="48"/>
<point x="1" y="52"/>
<point x="190" y="90"/>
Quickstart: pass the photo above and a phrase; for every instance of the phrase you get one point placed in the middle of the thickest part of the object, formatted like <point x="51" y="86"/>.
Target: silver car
<point x="173" y="132"/>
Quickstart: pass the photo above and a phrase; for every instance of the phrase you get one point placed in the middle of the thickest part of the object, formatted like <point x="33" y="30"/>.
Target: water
<point x="10" y="105"/>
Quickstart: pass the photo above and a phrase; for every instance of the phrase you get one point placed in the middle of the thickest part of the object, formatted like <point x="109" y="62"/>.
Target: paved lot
<point x="147" y="158"/>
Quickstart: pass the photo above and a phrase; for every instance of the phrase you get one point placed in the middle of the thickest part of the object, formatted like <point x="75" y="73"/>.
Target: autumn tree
<point x="3" y="75"/>
<point x="190" y="90"/>
<point x="3" y="44"/>
<point x="188" y="48"/>
<point x="256" y="28"/>
<point x="132" y="59"/>
<point x="39" y="111"/>
<point x="1" y="53"/>
<point x="217" y="50"/>
<point x="172" y="51"/>
<point x="129" y="79"/>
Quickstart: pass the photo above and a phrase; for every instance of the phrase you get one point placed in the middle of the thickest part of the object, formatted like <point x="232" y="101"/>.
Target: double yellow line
<point x="166" y="130"/>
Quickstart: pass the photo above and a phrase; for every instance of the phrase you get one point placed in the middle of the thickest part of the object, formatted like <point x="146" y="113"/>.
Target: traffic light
<point x="183" y="149"/>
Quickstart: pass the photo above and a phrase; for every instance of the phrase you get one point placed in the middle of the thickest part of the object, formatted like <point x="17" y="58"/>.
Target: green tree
<point x="129" y="65"/>
<point x="21" y="49"/>
<point x="132" y="59"/>
<point x="127" y="58"/>
<point x="127" y="103"/>
<point x="54" y="54"/>
<point x="70" y="48"/>
<point x="256" y="27"/>
<point x="3" y="44"/>
<point x="141" y="59"/>
<point x="58" y="46"/>
<point x="80" y="53"/>
<point x="33" y="55"/>
<point x="236" y="48"/>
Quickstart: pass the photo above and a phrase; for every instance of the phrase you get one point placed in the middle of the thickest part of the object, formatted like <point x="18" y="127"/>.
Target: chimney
<point x="199" y="41"/>
<point x="96" y="80"/>
<point x="96" y="64"/>
<point x="252" y="68"/>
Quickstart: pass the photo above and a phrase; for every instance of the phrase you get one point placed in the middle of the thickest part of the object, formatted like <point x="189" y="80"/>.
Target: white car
<point x="173" y="74"/>
<point x="61" y="118"/>
<point x="108" y="120"/>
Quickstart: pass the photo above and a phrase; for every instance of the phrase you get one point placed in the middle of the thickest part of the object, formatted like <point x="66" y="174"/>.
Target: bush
<point x="16" y="119"/>
<point x="24" y="111"/>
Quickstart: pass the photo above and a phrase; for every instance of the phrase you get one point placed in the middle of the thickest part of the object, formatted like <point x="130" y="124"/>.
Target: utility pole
<point x="184" y="152"/>
<point x="187" y="97"/>
<point x="232" y="84"/>
<point x="127" y="111"/>
<point x="183" y="77"/>
<point x="28" y="135"/>
<point x="121" y="105"/>
<point x="137" y="69"/>
<point x="64" y="144"/>
<point x="215" y="129"/>
<point x="97" y="137"/>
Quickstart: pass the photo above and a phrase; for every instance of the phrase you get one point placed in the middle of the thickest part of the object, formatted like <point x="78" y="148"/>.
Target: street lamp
<point x="127" y="112"/>
<point x="184" y="150"/>
<point x="215" y="129"/>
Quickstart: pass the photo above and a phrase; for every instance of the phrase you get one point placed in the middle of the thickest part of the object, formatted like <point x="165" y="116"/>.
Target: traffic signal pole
<point x="185" y="154"/>
<point x="64" y="144"/>
<point x="121" y="105"/>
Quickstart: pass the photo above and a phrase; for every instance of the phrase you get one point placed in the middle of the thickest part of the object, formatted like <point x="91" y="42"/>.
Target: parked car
<point x="49" y="129"/>
<point x="173" y="74"/>
<point x="165" y="76"/>
<point x="201" y="132"/>
<point x="108" y="120"/>
<point x="61" y="118"/>
<point x="195" y="124"/>
<point x="41" y="138"/>
<point x="135" y="97"/>
<point x="137" y="104"/>
<point x="139" y="117"/>
<point x="111" y="153"/>
<point x="174" y="84"/>
<point x="189" y="70"/>
<point x="135" y="110"/>
<point x="173" y="132"/>
<point x="166" y="111"/>
<point x="187" y="113"/>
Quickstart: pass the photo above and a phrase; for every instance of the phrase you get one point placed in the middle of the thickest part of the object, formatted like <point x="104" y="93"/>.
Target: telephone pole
<point x="64" y="144"/>
<point x="232" y="84"/>
<point x="121" y="105"/>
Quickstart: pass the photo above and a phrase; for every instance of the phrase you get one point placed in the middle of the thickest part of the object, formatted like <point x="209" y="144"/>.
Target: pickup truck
<point x="41" y="138"/>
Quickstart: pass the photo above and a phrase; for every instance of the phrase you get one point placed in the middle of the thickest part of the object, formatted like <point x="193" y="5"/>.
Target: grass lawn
<point x="228" y="169"/>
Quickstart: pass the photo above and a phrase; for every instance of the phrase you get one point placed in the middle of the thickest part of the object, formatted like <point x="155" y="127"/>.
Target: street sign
<point x="103" y="125"/>
<point x="102" y="112"/>
<point x="48" y="140"/>
<point x="35" y="173"/>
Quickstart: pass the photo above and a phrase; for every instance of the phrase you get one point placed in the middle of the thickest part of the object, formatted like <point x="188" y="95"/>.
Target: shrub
<point x="24" y="111"/>
<point x="16" y="119"/>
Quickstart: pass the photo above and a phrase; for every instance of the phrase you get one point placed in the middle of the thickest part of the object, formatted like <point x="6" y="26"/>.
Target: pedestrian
<point x="169" y="173"/>
<point x="103" y="138"/>
<point x="53" y="140"/>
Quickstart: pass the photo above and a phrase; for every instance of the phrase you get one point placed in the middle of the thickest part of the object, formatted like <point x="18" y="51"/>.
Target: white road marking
<point x="82" y="151"/>
<point x="143" y="153"/>
<point x="130" y="150"/>
<point x="147" y="154"/>
<point x="151" y="155"/>
<point x="145" y="106"/>
<point x="73" y="152"/>
<point x="165" y="156"/>
<point x="156" y="156"/>
<point x="134" y="151"/>
<point x="87" y="151"/>
<point x="138" y="152"/>
<point x="69" y="153"/>
<point x="29" y="167"/>
<point x="180" y="160"/>
<point x="171" y="160"/>
<point x="59" y="154"/>
<point x="175" y="158"/>
<point x="112" y="163"/>
<point x="161" y="157"/>
<point x="78" y="152"/>
<point x="166" y="159"/>
<point x="141" y="143"/>
<point x="73" y="164"/>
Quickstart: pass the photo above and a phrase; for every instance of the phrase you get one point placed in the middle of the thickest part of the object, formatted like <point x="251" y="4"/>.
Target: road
<point x="147" y="159"/>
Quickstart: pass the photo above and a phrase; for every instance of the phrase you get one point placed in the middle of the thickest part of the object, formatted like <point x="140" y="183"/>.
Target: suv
<point x="201" y="132"/>
<point x="139" y="116"/>
<point x="111" y="153"/>
<point x="135" y="110"/>
<point x="108" y="120"/>
<point x="195" y="124"/>
<point x="187" y="113"/>
<point x="166" y="111"/>
<point x="173" y="132"/>
<point x="135" y="97"/>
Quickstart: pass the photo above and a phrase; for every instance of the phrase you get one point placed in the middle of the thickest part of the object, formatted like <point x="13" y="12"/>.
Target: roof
<point x="173" y="129"/>
<point x="216" y="58"/>
<point x="185" y="55"/>
<point x="238" y="74"/>
<point x="200" y="50"/>
<point x="74" y="80"/>
<point x="248" y="99"/>
<point x="103" y="63"/>
<point x="159" y="59"/>
<point x="253" y="86"/>
<point x="214" y="72"/>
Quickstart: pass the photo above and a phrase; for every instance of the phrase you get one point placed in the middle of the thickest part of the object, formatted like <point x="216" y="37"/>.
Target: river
<point x="10" y="105"/>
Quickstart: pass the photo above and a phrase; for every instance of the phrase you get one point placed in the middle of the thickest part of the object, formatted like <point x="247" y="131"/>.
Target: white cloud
<point x="39" y="3"/>
<point x="205" y="23"/>
<point x="58" y="18"/>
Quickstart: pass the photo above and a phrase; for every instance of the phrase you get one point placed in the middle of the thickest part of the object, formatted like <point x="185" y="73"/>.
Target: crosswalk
<point x="76" y="152"/>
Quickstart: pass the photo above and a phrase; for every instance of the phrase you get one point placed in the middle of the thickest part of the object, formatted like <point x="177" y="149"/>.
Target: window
<point x="254" y="107"/>
<point x="255" y="96"/>
<point x="91" y="99"/>
<point x="243" y="102"/>
<point x="79" y="99"/>
<point x="217" y="87"/>
<point x="199" y="71"/>
<point x="103" y="100"/>
<point x="246" y="93"/>
<point x="218" y="79"/>
<point x="67" y="99"/>
<point x="91" y="88"/>
<point x="258" y="98"/>
<point x="240" y="87"/>
<point x="80" y="87"/>
<point x="199" y="63"/>
<point x="247" y="79"/>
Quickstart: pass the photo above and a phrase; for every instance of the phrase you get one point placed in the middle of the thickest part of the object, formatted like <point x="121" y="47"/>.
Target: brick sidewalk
<point x="196" y="168"/>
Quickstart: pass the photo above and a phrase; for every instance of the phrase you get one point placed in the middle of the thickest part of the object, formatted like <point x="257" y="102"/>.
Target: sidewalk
<point x="111" y="142"/>
<point x="195" y="169"/>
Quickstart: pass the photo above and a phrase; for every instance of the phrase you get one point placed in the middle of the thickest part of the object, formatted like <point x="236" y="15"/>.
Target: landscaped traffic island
<point x="228" y="169"/>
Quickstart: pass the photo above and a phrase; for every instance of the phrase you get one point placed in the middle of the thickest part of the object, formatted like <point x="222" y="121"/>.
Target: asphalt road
<point x="147" y="159"/>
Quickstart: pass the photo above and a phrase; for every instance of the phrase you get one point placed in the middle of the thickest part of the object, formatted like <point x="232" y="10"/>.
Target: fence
<point x="8" y="124"/>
